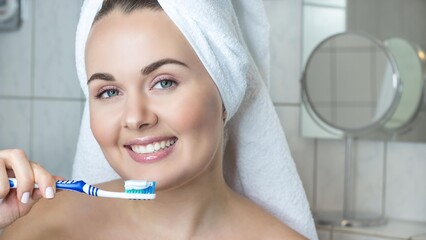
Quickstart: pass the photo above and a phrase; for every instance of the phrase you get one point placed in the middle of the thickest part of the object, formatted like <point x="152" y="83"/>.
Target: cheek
<point x="104" y="126"/>
<point x="200" y="113"/>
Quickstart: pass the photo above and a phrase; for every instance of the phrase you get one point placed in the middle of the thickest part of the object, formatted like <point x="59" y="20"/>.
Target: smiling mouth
<point x="152" y="147"/>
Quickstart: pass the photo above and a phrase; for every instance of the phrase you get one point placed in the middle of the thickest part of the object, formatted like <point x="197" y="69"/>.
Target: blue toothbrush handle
<point x="12" y="183"/>
<point x="71" y="185"/>
<point x="77" y="186"/>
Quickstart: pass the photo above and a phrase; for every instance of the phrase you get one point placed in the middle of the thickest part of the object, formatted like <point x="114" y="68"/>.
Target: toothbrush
<point x="134" y="189"/>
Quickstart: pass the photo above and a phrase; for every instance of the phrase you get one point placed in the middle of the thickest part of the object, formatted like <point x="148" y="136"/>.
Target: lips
<point x="150" y="150"/>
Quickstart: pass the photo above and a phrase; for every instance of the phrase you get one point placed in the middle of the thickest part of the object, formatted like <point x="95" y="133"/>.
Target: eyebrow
<point x="145" y="71"/>
<point x="155" y="65"/>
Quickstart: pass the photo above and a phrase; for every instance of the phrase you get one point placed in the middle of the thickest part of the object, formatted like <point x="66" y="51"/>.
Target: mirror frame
<point x="374" y="125"/>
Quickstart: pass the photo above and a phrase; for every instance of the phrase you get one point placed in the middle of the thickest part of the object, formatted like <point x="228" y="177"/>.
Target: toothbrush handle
<point x="71" y="185"/>
<point x="13" y="183"/>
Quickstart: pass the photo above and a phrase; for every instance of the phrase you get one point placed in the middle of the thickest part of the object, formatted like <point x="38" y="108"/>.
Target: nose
<point x="138" y="114"/>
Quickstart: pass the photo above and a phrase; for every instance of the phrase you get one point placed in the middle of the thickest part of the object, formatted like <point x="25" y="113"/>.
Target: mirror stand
<point x="349" y="217"/>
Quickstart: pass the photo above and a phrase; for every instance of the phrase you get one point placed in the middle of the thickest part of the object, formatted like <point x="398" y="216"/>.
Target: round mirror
<point x="408" y="59"/>
<point x="351" y="83"/>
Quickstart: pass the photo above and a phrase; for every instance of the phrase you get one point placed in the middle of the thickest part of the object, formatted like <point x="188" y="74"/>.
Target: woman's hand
<point x="15" y="203"/>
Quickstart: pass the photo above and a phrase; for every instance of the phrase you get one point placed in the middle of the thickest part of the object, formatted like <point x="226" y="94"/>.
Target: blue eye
<point x="164" y="84"/>
<point x="109" y="93"/>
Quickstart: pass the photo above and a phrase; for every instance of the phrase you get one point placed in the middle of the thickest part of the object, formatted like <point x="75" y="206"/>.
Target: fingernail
<point x="1" y="200"/>
<point x="49" y="192"/>
<point x="25" y="197"/>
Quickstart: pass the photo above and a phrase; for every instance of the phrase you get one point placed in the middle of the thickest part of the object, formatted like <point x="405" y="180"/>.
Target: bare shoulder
<point x="261" y="224"/>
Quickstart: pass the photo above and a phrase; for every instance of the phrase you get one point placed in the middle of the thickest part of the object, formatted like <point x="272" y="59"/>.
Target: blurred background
<point x="41" y="105"/>
<point x="40" y="98"/>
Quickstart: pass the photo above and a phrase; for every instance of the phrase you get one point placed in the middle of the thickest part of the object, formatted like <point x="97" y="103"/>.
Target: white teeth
<point x="153" y="147"/>
<point x="157" y="146"/>
<point x="140" y="148"/>
<point x="150" y="148"/>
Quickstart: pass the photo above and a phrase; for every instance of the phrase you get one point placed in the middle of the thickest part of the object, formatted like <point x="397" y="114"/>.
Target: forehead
<point x="142" y="35"/>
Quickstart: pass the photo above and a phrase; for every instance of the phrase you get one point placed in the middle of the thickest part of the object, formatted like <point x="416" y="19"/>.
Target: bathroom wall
<point x="41" y="105"/>
<point x="399" y="167"/>
<point x="40" y="100"/>
<point x="383" y="19"/>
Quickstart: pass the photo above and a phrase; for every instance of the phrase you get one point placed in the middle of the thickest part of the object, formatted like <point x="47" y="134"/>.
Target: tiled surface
<point x="397" y="19"/>
<point x="368" y="169"/>
<point x="55" y="128"/>
<point x="285" y="17"/>
<point x="54" y="38"/>
<point x="324" y="234"/>
<point x="15" y="61"/>
<point x="420" y="237"/>
<point x="15" y="124"/>
<point x="319" y="23"/>
<point x="333" y="3"/>
<point x="406" y="181"/>
<point x="369" y="175"/>
<point x="350" y="236"/>
<point x="351" y="84"/>
<point x="330" y="177"/>
<point x="40" y="99"/>
<point x="404" y="177"/>
<point x="394" y="229"/>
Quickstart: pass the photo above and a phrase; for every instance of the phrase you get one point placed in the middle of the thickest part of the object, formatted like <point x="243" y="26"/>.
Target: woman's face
<point x="154" y="109"/>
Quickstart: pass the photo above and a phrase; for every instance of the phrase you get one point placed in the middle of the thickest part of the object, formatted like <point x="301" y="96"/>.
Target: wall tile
<point x="55" y="26"/>
<point x="405" y="191"/>
<point x="302" y="149"/>
<point x="348" y="236"/>
<point x="56" y="128"/>
<point x="389" y="18"/>
<point x="369" y="177"/>
<point x="368" y="171"/>
<point x="406" y="178"/>
<point x="285" y="20"/>
<point x="415" y="12"/>
<point x="318" y="24"/>
<point x="420" y="237"/>
<point x="324" y="234"/>
<point x="393" y="230"/>
<point x="15" y="124"/>
<point x="330" y="175"/>
<point x="334" y="3"/>
<point x="15" y="61"/>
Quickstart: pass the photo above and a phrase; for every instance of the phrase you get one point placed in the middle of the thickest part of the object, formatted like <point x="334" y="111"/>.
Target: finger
<point x="10" y="173"/>
<point x="45" y="181"/>
<point x="18" y="161"/>
<point x="37" y="195"/>
<point x="4" y="180"/>
<point x="58" y="178"/>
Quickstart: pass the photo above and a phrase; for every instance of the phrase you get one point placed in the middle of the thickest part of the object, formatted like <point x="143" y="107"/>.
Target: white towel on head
<point x="231" y="40"/>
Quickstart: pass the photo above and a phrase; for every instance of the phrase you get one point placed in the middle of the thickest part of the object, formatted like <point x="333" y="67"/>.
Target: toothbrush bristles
<point x="140" y="187"/>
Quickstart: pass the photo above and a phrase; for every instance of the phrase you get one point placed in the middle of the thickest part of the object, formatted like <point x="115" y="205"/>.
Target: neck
<point x="200" y="204"/>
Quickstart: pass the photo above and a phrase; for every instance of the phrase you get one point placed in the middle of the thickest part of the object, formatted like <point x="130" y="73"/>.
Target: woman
<point x="157" y="114"/>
